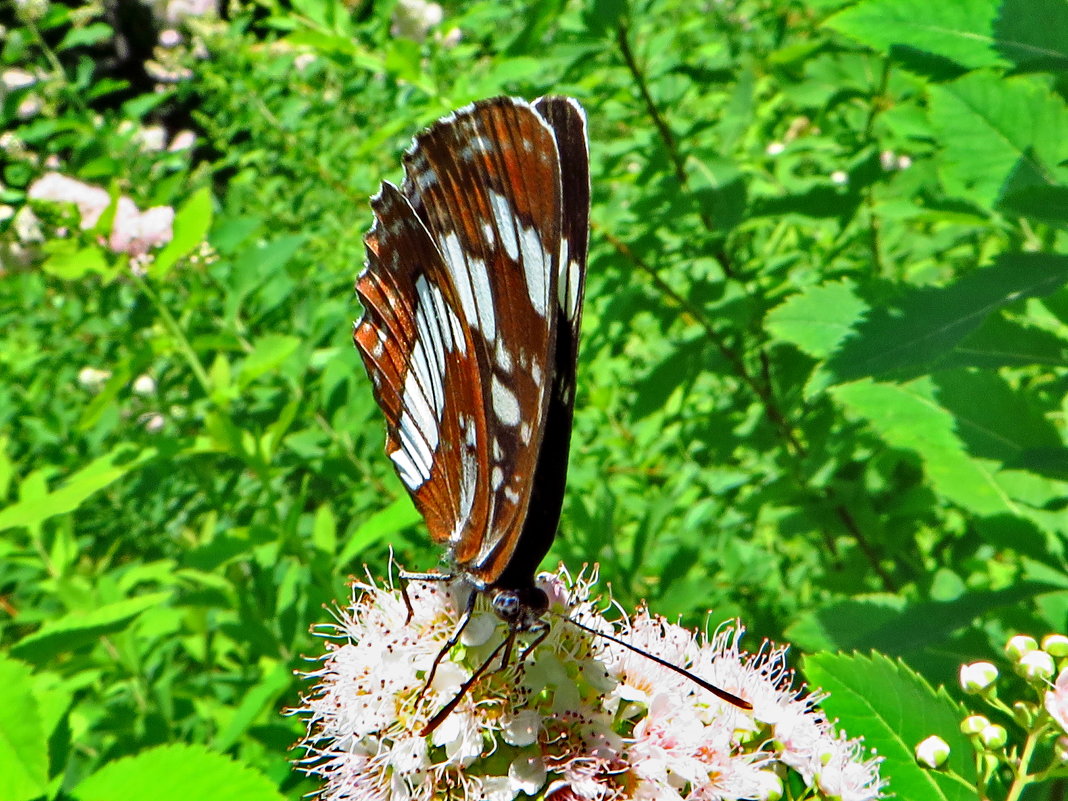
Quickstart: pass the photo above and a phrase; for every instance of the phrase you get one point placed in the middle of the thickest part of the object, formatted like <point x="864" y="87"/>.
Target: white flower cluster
<point x="579" y="718"/>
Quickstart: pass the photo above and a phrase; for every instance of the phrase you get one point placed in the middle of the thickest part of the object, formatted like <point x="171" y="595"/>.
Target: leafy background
<point x="822" y="378"/>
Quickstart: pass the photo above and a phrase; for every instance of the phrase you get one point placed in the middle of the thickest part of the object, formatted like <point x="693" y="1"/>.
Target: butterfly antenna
<point x="723" y="695"/>
<point x="446" y="710"/>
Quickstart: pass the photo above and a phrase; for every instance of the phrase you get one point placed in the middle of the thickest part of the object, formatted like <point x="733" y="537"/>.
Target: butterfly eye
<point x="507" y="605"/>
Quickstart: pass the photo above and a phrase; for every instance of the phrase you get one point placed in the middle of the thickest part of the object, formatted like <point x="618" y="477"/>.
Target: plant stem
<point x="175" y="330"/>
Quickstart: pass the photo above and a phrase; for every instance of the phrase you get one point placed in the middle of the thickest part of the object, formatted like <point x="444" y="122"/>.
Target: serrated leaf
<point x="73" y="630"/>
<point x="1009" y="343"/>
<point x="834" y="627"/>
<point x="910" y="336"/>
<point x="998" y="134"/>
<point x="889" y="625"/>
<point x="973" y="33"/>
<point x="818" y="318"/>
<point x="982" y="426"/>
<point x="80" y="486"/>
<point x="894" y="708"/>
<point x="23" y="744"/>
<point x="908" y="416"/>
<point x="191" y="226"/>
<point x="176" y="773"/>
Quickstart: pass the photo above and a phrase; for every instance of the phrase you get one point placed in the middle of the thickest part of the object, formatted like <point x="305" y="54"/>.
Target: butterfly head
<point x="522" y="609"/>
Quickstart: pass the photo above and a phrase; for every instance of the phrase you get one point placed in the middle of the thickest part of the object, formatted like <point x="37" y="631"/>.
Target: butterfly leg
<point x="465" y="618"/>
<point x="405" y="577"/>
<point x="543" y="631"/>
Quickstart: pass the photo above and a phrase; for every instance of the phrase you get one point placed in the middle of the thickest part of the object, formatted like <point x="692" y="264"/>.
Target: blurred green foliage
<point x="822" y="377"/>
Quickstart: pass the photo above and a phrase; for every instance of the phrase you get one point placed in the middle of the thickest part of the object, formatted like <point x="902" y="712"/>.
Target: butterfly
<point x="472" y="294"/>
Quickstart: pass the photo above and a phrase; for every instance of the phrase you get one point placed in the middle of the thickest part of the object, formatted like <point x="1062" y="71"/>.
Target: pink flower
<point x="56" y="188"/>
<point x="1057" y="700"/>
<point x="136" y="232"/>
<point x="133" y="231"/>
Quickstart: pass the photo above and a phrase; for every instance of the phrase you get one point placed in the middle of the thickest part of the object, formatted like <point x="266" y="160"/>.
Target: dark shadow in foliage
<point x="873" y="625"/>
<point x="1027" y="173"/>
<point x="1033" y="34"/>
<point x="680" y="368"/>
<point x="1044" y="202"/>
<point x="1007" y="343"/>
<point x="725" y="204"/>
<point x="1011" y="533"/>
<point x="937" y="69"/>
<point x="1003" y="427"/>
<point x="820" y="202"/>
<point x="908" y="338"/>
<point x="827" y="201"/>
<point x="706" y="76"/>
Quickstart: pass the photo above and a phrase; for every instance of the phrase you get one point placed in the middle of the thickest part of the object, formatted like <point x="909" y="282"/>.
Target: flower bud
<point x="1060" y="750"/>
<point x="932" y="752"/>
<point x="977" y="676"/>
<point x="1019" y="645"/>
<point x="770" y="786"/>
<point x="973" y="724"/>
<point x="994" y="736"/>
<point x="1055" y="645"/>
<point x="144" y="385"/>
<point x="1036" y="666"/>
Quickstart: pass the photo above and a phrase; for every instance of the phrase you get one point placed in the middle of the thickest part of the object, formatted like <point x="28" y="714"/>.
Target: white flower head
<point x="579" y="717"/>
<point x="413" y="19"/>
<point x="144" y="385"/>
<point x="93" y="379"/>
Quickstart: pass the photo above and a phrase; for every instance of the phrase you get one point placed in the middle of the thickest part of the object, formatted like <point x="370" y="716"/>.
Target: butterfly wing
<point x="468" y="361"/>
<point x="568" y="121"/>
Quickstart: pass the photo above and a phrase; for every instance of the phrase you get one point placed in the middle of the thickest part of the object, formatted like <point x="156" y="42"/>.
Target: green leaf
<point x="191" y="226"/>
<point x="324" y="528"/>
<point x="268" y="352"/>
<point x="70" y="261"/>
<point x="176" y="773"/>
<point x="34" y="509"/>
<point x="998" y="134"/>
<point x="91" y="34"/>
<point x="910" y="336"/>
<point x="263" y="697"/>
<point x="895" y="709"/>
<point x="818" y="318"/>
<point x="397" y="516"/>
<point x="73" y="630"/>
<point x="908" y="416"/>
<point x="23" y="742"/>
<point x="973" y="33"/>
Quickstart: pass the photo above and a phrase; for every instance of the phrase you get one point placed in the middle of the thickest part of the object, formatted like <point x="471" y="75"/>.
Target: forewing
<point x="419" y="354"/>
<point x="486" y="182"/>
<point x="485" y="186"/>
<point x="568" y="122"/>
